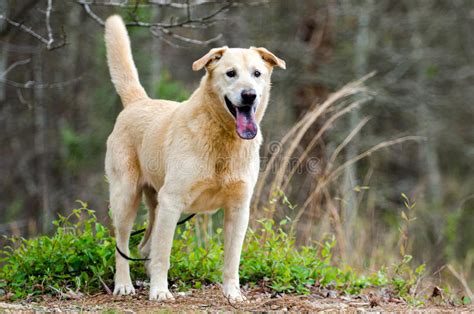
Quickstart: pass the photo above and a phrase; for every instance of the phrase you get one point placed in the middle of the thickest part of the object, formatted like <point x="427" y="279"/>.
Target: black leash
<point x="141" y="231"/>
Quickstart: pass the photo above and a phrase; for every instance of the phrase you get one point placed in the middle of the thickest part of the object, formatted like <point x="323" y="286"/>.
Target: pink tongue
<point x="246" y="125"/>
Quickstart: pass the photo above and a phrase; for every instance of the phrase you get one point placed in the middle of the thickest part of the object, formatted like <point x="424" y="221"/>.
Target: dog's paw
<point x="160" y="295"/>
<point x="233" y="293"/>
<point x="124" y="289"/>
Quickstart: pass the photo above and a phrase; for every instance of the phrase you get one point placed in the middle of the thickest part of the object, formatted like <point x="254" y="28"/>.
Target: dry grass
<point x="299" y="147"/>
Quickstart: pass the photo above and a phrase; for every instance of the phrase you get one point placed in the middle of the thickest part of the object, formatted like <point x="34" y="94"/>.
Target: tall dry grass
<point x="303" y="161"/>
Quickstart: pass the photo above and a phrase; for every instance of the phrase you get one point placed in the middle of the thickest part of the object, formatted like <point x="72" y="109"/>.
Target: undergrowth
<point x="79" y="256"/>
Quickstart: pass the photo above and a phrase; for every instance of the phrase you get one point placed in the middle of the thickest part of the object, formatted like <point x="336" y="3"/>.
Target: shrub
<point x="80" y="256"/>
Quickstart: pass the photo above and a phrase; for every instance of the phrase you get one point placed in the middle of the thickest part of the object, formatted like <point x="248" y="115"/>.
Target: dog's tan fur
<point x="182" y="157"/>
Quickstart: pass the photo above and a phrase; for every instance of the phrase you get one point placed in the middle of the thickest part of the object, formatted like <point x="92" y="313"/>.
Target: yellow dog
<point x="190" y="157"/>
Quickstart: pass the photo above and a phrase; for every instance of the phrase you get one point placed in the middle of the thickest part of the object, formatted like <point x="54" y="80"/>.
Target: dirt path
<point x="211" y="299"/>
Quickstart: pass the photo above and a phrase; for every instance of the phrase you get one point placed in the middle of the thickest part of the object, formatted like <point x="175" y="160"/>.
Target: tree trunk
<point x="3" y="51"/>
<point x="155" y="74"/>
<point x="360" y="68"/>
<point x="40" y="143"/>
<point x="427" y="157"/>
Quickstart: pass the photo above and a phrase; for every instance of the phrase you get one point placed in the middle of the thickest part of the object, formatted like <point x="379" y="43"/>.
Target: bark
<point x="3" y="51"/>
<point x="360" y="69"/>
<point x="427" y="153"/>
<point x="155" y="74"/>
<point x="40" y="143"/>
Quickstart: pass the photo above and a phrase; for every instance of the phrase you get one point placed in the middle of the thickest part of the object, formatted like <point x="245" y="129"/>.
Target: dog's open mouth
<point x="246" y="126"/>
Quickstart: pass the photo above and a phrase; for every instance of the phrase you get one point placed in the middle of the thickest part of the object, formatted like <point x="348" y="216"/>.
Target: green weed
<point x="80" y="256"/>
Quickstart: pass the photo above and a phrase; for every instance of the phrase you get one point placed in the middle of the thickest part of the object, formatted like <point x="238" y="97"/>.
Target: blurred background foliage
<point x="57" y="107"/>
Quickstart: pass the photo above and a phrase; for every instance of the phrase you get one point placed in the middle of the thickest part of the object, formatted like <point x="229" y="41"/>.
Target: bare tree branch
<point x="46" y="41"/>
<point x="33" y="84"/>
<point x="173" y="5"/>
<point x="92" y="14"/>
<point x="188" y="10"/>
<point x="183" y="38"/>
<point x="14" y="65"/>
<point x="166" y="40"/>
<point x="48" y="24"/>
<point x="163" y="30"/>
<point x="183" y="23"/>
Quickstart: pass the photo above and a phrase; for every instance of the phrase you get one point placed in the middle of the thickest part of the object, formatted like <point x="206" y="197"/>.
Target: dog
<point x="190" y="157"/>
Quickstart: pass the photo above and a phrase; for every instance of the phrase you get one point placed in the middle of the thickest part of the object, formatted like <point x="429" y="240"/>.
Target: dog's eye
<point x="230" y="73"/>
<point x="257" y="73"/>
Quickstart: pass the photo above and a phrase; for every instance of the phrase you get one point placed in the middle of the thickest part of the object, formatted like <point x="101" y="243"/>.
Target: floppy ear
<point x="269" y="57"/>
<point x="213" y="54"/>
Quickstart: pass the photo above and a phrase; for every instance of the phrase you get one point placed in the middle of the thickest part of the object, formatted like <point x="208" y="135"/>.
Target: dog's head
<point x="240" y="78"/>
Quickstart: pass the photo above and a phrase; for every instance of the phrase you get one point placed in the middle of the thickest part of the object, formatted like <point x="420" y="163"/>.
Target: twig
<point x="183" y="23"/>
<point x="48" y="24"/>
<point x="32" y="84"/>
<point x="107" y="289"/>
<point x="14" y="65"/>
<point x="92" y="14"/>
<point x="61" y="294"/>
<point x="462" y="280"/>
<point x="25" y="29"/>
<point x="230" y="303"/>
<point x="173" y="5"/>
<point x="190" y="40"/>
<point x="165" y="40"/>
<point x="156" y="27"/>
<point x="31" y="32"/>
<point x="188" y="10"/>
<point x="22" y="100"/>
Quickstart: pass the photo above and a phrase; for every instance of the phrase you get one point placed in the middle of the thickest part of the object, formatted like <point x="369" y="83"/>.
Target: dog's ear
<point x="269" y="57"/>
<point x="213" y="55"/>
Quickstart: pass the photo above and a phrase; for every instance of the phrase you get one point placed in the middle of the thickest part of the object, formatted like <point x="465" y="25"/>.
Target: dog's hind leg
<point x="124" y="199"/>
<point x="151" y="200"/>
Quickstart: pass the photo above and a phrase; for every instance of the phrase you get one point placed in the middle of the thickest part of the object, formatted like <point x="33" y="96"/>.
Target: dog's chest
<point x="210" y="195"/>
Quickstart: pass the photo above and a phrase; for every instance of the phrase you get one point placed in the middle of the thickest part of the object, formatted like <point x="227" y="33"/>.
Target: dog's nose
<point x="248" y="96"/>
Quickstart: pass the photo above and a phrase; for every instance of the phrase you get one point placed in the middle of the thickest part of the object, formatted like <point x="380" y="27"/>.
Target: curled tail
<point x="119" y="58"/>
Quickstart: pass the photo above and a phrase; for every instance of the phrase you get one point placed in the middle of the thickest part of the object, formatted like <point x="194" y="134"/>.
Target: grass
<point x="79" y="256"/>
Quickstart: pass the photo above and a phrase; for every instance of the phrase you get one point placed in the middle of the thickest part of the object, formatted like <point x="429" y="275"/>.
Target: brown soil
<point x="211" y="299"/>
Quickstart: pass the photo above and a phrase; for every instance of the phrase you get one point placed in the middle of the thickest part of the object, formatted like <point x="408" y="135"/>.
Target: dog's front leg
<point x="236" y="220"/>
<point x="169" y="210"/>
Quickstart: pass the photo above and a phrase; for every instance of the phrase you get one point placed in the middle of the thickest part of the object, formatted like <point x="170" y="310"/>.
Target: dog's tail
<point x="119" y="57"/>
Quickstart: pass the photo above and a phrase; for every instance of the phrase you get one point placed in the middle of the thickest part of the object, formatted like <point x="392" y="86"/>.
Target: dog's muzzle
<point x="246" y="124"/>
